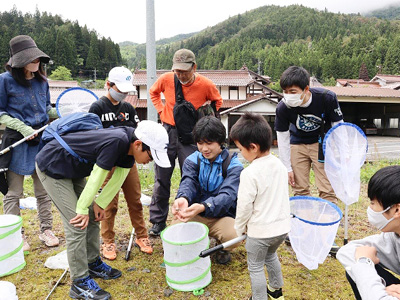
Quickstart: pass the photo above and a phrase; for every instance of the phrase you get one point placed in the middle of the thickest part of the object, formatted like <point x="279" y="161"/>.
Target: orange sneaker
<point x="109" y="251"/>
<point x="144" y="245"/>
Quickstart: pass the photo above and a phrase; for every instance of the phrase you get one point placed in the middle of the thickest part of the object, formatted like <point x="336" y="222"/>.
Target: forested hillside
<point x="389" y="13"/>
<point x="67" y="43"/>
<point x="329" y="45"/>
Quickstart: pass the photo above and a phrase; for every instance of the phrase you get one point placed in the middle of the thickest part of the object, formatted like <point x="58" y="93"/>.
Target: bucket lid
<point x="173" y="234"/>
<point x="9" y="220"/>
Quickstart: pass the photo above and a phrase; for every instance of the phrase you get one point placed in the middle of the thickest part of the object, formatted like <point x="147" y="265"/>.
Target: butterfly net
<point x="345" y="148"/>
<point x="313" y="229"/>
<point x="74" y="100"/>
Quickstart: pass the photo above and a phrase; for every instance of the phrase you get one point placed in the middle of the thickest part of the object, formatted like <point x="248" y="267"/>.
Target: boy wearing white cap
<point x="63" y="176"/>
<point x="113" y="112"/>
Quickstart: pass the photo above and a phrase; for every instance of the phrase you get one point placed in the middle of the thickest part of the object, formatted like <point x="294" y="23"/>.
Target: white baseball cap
<point x="122" y="78"/>
<point x="155" y="136"/>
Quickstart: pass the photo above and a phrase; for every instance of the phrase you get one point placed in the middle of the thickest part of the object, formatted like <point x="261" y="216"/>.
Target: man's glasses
<point x="149" y="154"/>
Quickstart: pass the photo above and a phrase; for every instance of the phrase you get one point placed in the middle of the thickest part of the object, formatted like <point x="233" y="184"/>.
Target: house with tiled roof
<point x="235" y="87"/>
<point x="356" y="83"/>
<point x="385" y="79"/>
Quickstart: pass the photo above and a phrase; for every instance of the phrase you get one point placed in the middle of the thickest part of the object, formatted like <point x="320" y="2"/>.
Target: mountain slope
<point x="329" y="45"/>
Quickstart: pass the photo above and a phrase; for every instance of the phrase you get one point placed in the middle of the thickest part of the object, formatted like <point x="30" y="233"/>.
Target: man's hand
<point x="291" y="178"/>
<point x="99" y="213"/>
<point x="180" y="205"/>
<point x="393" y="290"/>
<point x="190" y="212"/>
<point x="367" y="251"/>
<point x="81" y="221"/>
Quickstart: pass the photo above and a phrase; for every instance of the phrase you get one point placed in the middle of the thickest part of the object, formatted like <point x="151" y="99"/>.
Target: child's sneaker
<point x="223" y="257"/>
<point x="276" y="294"/>
<point x="109" y="251"/>
<point x="144" y="245"/>
<point x="87" y="288"/>
<point x="49" y="238"/>
<point x="99" y="269"/>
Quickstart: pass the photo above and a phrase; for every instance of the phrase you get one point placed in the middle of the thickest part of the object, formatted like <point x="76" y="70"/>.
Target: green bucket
<point x="182" y="243"/>
<point x="11" y="253"/>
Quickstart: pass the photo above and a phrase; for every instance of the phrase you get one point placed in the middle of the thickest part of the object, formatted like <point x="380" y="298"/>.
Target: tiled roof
<point x="387" y="78"/>
<point x="142" y="103"/>
<point x="55" y="93"/>
<point x="246" y="103"/>
<point x="62" y="83"/>
<point x="358" y="83"/>
<point x="364" y="92"/>
<point x="219" y="77"/>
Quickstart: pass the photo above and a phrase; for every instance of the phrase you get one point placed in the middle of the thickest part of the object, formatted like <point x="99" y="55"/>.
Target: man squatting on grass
<point x="113" y="112"/>
<point x="204" y="194"/>
<point x="369" y="261"/>
<point x="63" y="176"/>
<point x="263" y="211"/>
<point x="197" y="89"/>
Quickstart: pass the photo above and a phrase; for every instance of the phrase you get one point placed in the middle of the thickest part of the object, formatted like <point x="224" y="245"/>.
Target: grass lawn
<point x="144" y="278"/>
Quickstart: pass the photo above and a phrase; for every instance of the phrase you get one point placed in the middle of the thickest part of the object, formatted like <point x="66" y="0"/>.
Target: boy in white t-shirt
<point x="263" y="210"/>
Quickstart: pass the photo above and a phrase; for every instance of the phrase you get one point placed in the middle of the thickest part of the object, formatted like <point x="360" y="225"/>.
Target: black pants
<point x="159" y="205"/>
<point x="382" y="272"/>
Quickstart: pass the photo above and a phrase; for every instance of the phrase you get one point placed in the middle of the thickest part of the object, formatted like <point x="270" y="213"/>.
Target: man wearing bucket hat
<point x="196" y="89"/>
<point x="63" y="176"/>
<point x="24" y="107"/>
<point x="114" y="111"/>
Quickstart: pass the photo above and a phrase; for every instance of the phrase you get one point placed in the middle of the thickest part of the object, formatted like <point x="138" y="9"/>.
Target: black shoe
<point x="100" y="269"/>
<point x="87" y="288"/>
<point x="287" y="241"/>
<point x="223" y="257"/>
<point x="277" y="294"/>
<point x="157" y="228"/>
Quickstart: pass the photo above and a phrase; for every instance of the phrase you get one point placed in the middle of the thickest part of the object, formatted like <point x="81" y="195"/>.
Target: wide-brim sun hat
<point x="23" y="50"/>
<point x="155" y="136"/>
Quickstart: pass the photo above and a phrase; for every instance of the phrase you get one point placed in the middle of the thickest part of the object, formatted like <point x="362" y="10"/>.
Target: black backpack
<point x="185" y="115"/>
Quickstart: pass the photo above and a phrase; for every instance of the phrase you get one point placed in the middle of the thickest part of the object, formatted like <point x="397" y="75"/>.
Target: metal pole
<point x="150" y="57"/>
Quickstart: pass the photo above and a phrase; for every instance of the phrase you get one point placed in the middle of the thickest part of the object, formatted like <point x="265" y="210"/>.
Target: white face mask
<point x="32" y="67"/>
<point x="377" y="219"/>
<point x="293" y="100"/>
<point x="117" y="96"/>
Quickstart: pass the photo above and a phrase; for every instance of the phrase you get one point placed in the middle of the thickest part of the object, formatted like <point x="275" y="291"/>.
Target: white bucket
<point x="11" y="253"/>
<point x="182" y="243"/>
<point x="8" y="291"/>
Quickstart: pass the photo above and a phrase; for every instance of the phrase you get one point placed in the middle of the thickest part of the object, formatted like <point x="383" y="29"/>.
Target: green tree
<point x="61" y="73"/>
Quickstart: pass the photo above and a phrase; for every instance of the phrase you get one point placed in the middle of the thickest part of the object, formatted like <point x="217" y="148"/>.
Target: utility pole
<point x="259" y="67"/>
<point x="150" y="57"/>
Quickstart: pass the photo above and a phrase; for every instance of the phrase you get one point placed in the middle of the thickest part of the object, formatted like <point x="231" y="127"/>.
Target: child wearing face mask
<point x="25" y="107"/>
<point x="369" y="260"/>
<point x="113" y="112"/>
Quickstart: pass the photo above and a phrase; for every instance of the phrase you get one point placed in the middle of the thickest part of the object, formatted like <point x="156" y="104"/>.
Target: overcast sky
<point x="126" y="20"/>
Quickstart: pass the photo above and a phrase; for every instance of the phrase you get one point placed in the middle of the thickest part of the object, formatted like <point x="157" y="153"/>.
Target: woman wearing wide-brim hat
<point x="24" y="107"/>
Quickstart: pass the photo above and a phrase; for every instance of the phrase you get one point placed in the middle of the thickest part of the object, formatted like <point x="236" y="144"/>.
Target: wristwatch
<point x="365" y="260"/>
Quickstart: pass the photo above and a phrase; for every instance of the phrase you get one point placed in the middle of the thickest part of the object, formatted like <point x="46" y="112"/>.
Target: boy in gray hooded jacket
<point x="369" y="260"/>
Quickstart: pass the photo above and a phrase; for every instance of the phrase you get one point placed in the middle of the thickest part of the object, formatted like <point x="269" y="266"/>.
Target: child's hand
<point x="367" y="251"/>
<point x="79" y="220"/>
<point x="291" y="179"/>
<point x="393" y="290"/>
<point x="99" y="213"/>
